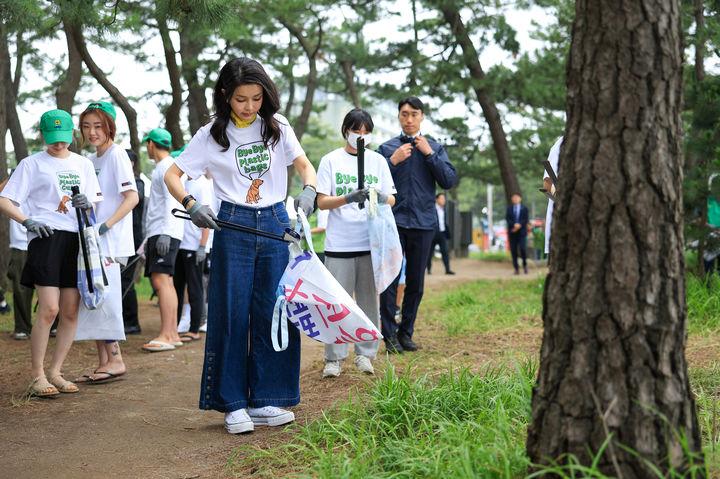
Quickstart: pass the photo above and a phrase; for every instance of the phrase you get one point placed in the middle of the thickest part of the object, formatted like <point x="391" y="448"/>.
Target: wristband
<point x="187" y="200"/>
<point x="310" y="186"/>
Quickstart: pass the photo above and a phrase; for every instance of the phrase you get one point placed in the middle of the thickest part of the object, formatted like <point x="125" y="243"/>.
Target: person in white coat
<point x="553" y="158"/>
<point x="114" y="223"/>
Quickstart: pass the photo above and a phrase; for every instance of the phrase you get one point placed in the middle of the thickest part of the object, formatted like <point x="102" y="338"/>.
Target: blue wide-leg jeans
<point x="241" y="367"/>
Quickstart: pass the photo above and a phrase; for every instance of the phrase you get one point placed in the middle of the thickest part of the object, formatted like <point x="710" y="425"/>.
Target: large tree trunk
<point x="190" y="48"/>
<point x="99" y="75"/>
<point x="67" y="89"/>
<point x="4" y="87"/>
<point x="612" y="361"/>
<point x="12" y="120"/>
<point x="451" y="14"/>
<point x="172" y="113"/>
<point x="311" y="51"/>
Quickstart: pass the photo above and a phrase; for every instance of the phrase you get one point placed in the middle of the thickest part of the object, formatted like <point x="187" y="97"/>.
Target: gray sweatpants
<point x="356" y="276"/>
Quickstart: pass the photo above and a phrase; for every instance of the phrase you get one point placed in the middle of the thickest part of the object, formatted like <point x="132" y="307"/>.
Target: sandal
<point x="85" y="378"/>
<point x="189" y="337"/>
<point x="40" y="387"/>
<point x="107" y="377"/>
<point x="63" y="385"/>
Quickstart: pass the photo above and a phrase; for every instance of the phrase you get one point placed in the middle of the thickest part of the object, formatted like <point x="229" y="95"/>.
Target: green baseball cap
<point x="177" y="152"/>
<point x="160" y="136"/>
<point x="56" y="126"/>
<point x="105" y="106"/>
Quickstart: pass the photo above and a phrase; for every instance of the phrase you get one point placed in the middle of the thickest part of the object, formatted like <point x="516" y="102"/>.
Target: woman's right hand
<point x="357" y="196"/>
<point x="202" y="216"/>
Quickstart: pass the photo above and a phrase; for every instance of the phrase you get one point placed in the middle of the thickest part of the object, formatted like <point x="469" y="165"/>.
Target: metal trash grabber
<point x="83" y="245"/>
<point x="290" y="235"/>
<point x="361" y="167"/>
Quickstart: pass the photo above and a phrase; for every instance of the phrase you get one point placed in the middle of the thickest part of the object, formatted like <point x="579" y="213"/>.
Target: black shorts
<point x="154" y="263"/>
<point x="52" y="261"/>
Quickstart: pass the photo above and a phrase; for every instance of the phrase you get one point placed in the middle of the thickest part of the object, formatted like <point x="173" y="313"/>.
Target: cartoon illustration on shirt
<point x="253" y="194"/>
<point x="62" y="208"/>
<point x="253" y="161"/>
<point x="66" y="180"/>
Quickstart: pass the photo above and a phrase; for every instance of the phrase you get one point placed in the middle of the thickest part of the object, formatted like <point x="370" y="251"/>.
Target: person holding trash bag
<point x="117" y="181"/>
<point x="43" y="184"/>
<point x="347" y="242"/>
<point x="247" y="151"/>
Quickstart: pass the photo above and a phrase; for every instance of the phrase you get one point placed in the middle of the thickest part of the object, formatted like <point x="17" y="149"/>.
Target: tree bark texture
<point x="172" y="113"/>
<point x="4" y="87"/>
<point x="311" y="51"/>
<point x="99" y="75"/>
<point x="451" y="13"/>
<point x="190" y="49"/>
<point x="12" y="120"/>
<point x="68" y="88"/>
<point x="614" y="314"/>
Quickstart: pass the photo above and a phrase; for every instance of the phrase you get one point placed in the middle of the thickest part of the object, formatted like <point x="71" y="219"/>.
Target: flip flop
<point x="188" y="338"/>
<point x="157" y="346"/>
<point x="111" y="377"/>
<point x="85" y="378"/>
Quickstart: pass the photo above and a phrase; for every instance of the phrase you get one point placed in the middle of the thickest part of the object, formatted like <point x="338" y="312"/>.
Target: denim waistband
<point x="235" y="209"/>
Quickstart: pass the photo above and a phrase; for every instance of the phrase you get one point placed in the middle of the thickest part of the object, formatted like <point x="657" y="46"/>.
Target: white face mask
<point x="352" y="139"/>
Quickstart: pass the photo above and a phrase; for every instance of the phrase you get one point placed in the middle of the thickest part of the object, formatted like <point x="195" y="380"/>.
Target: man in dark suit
<point x="517" y="221"/>
<point x="442" y="234"/>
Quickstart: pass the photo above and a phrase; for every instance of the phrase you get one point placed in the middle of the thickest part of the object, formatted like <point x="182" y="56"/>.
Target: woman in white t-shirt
<point x="42" y="183"/>
<point x="347" y="240"/>
<point x="246" y="151"/>
<point x="117" y="182"/>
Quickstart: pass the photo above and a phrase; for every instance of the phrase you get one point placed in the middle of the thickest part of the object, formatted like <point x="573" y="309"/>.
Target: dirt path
<point x="148" y="425"/>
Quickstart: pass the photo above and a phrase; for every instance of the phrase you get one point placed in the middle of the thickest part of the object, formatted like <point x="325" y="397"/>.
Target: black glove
<point x="80" y="201"/>
<point x="357" y="196"/>
<point x="40" y="229"/>
<point x="306" y="200"/>
<point x="202" y="216"/>
<point x="162" y="245"/>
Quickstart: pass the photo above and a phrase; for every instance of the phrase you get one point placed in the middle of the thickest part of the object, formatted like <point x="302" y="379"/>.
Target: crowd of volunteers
<point x="208" y="277"/>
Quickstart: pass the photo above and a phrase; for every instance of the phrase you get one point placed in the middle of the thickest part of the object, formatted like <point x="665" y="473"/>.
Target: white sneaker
<point x="203" y="327"/>
<point x="364" y="365"/>
<point x="270" y="416"/>
<point x="184" y="324"/>
<point x="237" y="422"/>
<point x="332" y="369"/>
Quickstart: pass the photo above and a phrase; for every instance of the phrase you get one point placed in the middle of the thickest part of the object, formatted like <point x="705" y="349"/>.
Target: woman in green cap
<point x="117" y="182"/>
<point x="43" y="183"/>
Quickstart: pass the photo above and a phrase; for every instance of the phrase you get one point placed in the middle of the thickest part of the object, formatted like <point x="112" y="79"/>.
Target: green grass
<point x="494" y="256"/>
<point x="487" y="305"/>
<point x="458" y="425"/>
<point x="703" y="304"/>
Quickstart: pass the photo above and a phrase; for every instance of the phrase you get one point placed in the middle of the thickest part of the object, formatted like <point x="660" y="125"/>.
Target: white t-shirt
<point x="248" y="173"/>
<point x="553" y="158"/>
<point x="42" y="184"/>
<point x="202" y="191"/>
<point x="115" y="175"/>
<point x="441" y="216"/>
<point x="18" y="235"/>
<point x="347" y="227"/>
<point x="159" y="219"/>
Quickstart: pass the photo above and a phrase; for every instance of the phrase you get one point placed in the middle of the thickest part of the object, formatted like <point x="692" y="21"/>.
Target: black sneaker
<point x="449" y="272"/>
<point x="406" y="342"/>
<point x="133" y="330"/>
<point x="393" y="346"/>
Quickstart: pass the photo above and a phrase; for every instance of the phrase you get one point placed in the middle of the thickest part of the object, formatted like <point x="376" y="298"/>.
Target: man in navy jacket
<point x="417" y="163"/>
<point x="517" y="218"/>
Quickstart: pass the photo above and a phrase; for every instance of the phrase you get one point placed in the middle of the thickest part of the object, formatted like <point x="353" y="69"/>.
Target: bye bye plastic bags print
<point x="253" y="160"/>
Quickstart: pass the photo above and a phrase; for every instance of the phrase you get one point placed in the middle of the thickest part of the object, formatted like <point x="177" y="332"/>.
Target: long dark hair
<point x="237" y="72"/>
